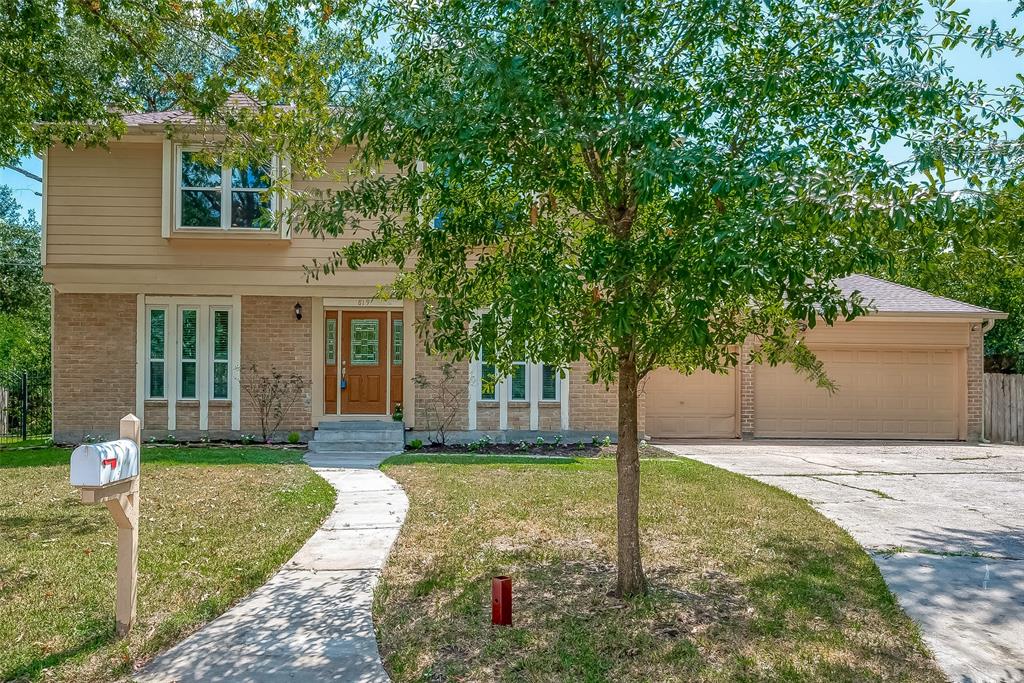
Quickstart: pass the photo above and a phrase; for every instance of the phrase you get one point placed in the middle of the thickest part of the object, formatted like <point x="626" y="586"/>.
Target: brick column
<point x="975" y="381"/>
<point x="746" y="371"/>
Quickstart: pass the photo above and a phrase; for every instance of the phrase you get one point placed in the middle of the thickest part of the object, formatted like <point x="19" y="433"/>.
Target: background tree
<point x="24" y="297"/>
<point x="976" y="255"/>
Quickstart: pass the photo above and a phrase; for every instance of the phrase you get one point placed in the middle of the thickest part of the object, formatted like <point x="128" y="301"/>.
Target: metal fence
<point x="26" y="410"/>
<point x="1004" y="408"/>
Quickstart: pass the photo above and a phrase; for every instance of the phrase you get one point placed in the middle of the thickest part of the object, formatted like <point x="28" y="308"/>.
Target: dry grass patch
<point x="215" y="524"/>
<point x="748" y="582"/>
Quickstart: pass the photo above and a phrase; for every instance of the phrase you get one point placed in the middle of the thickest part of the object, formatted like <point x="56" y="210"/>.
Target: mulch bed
<point x="570" y="450"/>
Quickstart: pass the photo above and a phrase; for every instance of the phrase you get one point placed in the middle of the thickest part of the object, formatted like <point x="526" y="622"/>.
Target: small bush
<point x="416" y="444"/>
<point x="293" y="437"/>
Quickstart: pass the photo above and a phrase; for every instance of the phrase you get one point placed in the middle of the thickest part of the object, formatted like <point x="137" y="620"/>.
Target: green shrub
<point x="293" y="437"/>
<point x="416" y="444"/>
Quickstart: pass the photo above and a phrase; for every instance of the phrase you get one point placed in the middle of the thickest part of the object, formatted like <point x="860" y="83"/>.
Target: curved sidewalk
<point x="312" y="620"/>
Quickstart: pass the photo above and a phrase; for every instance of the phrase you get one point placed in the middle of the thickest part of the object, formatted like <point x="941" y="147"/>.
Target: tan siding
<point x="878" y="331"/>
<point x="104" y="223"/>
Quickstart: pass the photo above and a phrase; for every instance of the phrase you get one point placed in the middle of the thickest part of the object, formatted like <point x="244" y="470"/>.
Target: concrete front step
<point x="352" y="446"/>
<point x="388" y="436"/>
<point x="347" y="460"/>
<point x="372" y="425"/>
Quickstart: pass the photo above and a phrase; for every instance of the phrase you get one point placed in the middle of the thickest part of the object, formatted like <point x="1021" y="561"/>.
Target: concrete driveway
<point x="943" y="522"/>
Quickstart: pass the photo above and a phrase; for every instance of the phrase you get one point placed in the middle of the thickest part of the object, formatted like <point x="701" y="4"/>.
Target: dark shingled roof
<point x="889" y="297"/>
<point x="181" y="117"/>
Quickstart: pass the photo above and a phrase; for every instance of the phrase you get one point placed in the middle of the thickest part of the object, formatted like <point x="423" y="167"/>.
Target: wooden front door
<point x="364" y="362"/>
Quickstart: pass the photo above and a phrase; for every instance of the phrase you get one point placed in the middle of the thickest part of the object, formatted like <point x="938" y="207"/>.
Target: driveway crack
<point x="880" y="494"/>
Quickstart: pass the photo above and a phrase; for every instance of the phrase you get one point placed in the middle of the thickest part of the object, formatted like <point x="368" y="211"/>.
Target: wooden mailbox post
<point x="114" y="481"/>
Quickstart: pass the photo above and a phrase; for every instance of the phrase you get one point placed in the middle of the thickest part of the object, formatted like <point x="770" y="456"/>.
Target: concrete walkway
<point x="311" y="621"/>
<point x="944" y="523"/>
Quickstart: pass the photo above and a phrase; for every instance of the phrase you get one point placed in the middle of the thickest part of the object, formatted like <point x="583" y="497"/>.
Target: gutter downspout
<point x="986" y="326"/>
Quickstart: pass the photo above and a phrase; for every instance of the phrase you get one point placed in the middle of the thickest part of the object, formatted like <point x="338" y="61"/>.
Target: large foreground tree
<point x="648" y="183"/>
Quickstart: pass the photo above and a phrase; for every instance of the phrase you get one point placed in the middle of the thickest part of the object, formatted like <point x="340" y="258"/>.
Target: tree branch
<point x="27" y="174"/>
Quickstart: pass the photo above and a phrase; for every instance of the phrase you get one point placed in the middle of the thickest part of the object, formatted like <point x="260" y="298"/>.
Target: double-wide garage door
<point x="882" y="393"/>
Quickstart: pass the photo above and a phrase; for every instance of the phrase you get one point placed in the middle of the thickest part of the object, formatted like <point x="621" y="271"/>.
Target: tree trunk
<point x="631" y="581"/>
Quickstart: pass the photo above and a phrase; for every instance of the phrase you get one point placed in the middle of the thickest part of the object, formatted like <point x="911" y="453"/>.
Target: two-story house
<point x="166" y="289"/>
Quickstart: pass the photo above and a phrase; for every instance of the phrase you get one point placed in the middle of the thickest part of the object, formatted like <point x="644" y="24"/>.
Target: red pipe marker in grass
<point x="501" y="601"/>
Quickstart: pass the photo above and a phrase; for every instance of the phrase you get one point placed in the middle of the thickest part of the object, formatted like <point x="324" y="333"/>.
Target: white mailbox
<point x="108" y="473"/>
<point x="99" y="464"/>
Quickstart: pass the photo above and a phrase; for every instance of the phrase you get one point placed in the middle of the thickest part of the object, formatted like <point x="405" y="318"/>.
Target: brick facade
<point x="94" y="377"/>
<point x="746" y="407"/>
<point x="93" y="364"/>
<point x="273" y="338"/>
<point x="975" y="382"/>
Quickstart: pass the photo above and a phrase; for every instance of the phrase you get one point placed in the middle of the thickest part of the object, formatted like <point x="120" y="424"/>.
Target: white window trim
<point x="179" y="355"/>
<point x="503" y="390"/>
<point x="204" y="352"/>
<point x="172" y="196"/>
<point x="149" y="360"/>
<point x="212" y="350"/>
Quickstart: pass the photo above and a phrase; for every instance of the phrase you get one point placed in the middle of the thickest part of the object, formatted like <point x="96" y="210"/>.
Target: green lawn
<point x="215" y="524"/>
<point x="748" y="582"/>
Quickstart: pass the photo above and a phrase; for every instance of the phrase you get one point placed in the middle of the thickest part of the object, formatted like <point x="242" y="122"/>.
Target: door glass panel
<point x="331" y="343"/>
<point x="365" y="342"/>
<point x="397" y="342"/>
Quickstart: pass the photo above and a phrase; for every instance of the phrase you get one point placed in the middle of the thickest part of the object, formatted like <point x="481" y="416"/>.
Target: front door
<point x="364" y="363"/>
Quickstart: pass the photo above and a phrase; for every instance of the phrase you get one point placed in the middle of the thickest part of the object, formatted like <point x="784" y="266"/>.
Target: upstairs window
<point x="211" y="196"/>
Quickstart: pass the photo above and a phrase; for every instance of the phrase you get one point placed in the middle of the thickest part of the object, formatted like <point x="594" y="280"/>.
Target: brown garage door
<point x="702" y="405"/>
<point x="883" y="393"/>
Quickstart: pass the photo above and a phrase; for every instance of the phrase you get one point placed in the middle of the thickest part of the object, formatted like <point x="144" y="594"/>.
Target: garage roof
<point x="893" y="299"/>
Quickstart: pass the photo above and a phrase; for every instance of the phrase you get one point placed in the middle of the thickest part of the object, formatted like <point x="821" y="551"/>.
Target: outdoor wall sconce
<point x="298" y="311"/>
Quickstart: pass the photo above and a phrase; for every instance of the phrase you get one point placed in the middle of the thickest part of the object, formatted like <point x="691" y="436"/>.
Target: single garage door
<point x="702" y="405"/>
<point x="883" y="393"/>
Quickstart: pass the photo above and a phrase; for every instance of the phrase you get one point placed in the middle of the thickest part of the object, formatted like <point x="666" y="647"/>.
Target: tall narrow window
<point x="220" y="364"/>
<point x="488" y="380"/>
<point x="157" y="351"/>
<point x="518" y="382"/>
<point x="549" y="383"/>
<point x="397" y="341"/>
<point x="188" y="334"/>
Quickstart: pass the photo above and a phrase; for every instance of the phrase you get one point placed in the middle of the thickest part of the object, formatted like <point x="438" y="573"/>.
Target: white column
<point x="140" y="357"/>
<point x="534" y="385"/>
<point x="236" y="361"/>
<point x="474" y="390"/>
<point x="503" y="389"/>
<point x="563" y="398"/>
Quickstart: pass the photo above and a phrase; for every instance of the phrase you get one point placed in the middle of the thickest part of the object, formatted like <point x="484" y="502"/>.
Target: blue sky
<point x="968" y="64"/>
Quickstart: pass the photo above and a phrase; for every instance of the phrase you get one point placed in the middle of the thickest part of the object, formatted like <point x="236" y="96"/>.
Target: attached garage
<point x="702" y="405"/>
<point x="910" y="370"/>
<point x="882" y="393"/>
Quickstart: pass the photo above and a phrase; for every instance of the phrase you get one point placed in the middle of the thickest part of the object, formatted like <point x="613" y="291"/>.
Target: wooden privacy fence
<point x="1004" y="408"/>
